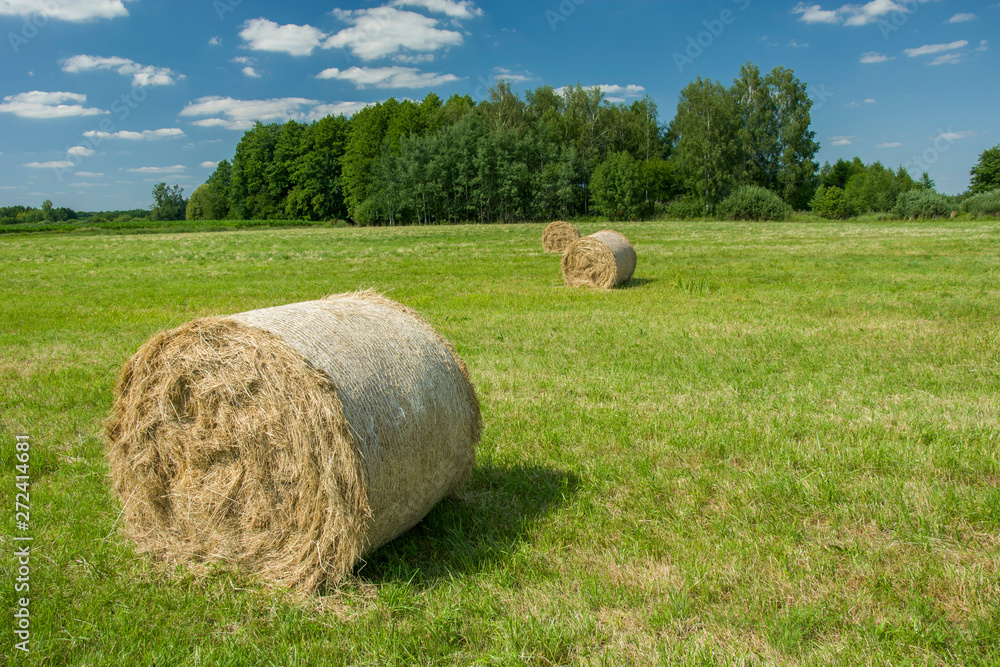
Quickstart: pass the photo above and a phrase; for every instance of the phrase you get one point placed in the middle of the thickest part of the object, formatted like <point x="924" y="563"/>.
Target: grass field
<point x="779" y="444"/>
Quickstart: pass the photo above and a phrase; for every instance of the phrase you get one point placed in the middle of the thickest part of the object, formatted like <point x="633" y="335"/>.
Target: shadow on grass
<point x="633" y="283"/>
<point x="500" y="508"/>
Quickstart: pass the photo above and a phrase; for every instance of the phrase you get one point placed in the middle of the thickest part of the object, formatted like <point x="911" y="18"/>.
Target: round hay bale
<point x="290" y="441"/>
<point x="602" y="260"/>
<point x="558" y="235"/>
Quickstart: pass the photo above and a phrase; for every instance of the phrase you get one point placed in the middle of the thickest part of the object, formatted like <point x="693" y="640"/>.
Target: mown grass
<point x="777" y="445"/>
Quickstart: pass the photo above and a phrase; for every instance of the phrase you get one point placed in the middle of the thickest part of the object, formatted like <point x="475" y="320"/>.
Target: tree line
<point x="544" y="155"/>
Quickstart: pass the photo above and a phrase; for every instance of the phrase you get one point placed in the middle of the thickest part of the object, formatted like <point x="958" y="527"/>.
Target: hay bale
<point x="558" y="235"/>
<point x="602" y="260"/>
<point x="290" y="441"/>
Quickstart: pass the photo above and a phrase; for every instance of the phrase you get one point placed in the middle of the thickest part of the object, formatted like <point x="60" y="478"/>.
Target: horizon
<point x="105" y="98"/>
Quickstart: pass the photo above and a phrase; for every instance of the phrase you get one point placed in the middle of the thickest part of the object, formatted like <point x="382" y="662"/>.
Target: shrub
<point x="830" y="203"/>
<point x="684" y="209"/>
<point x="752" y="202"/>
<point x="984" y="204"/>
<point x="922" y="203"/>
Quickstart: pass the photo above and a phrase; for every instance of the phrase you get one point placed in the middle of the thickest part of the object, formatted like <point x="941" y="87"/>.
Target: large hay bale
<point x="558" y="235"/>
<point x="602" y="260"/>
<point x="290" y="441"/>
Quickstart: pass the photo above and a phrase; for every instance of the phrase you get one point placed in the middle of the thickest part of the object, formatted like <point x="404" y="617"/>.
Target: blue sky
<point x="101" y="99"/>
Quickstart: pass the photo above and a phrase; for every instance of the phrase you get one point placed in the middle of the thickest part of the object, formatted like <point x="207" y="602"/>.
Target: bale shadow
<point x="500" y="508"/>
<point x="633" y="283"/>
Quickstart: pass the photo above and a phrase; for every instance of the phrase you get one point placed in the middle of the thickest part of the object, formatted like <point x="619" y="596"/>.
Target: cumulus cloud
<point x="65" y="10"/>
<point x="962" y="18"/>
<point x="388" y="77"/>
<point x="935" y="48"/>
<point x="142" y="75"/>
<point x="463" y="9"/>
<point x="385" y="31"/>
<point x="89" y="174"/>
<point x="55" y="164"/>
<point x="852" y="15"/>
<point x="234" y="114"/>
<point x="872" y="57"/>
<point x="613" y="93"/>
<point x="82" y="151"/>
<point x="38" y="104"/>
<point x="512" y="76"/>
<point x="158" y="170"/>
<point x="208" y="164"/>
<point x="841" y="141"/>
<point x="261" y="34"/>
<point x="145" y="135"/>
<point x="815" y="14"/>
<point x="954" y="136"/>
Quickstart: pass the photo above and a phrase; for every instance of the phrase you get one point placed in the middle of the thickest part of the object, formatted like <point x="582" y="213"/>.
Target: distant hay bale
<point x="290" y="441"/>
<point x="602" y="260"/>
<point x="558" y="235"/>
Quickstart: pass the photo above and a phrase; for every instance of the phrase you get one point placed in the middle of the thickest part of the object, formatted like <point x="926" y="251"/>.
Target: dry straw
<point x="290" y="441"/>
<point x="558" y="235"/>
<point x="602" y="260"/>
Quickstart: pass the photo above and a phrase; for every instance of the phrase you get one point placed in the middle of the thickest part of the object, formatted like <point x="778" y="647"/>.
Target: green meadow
<point x="778" y="444"/>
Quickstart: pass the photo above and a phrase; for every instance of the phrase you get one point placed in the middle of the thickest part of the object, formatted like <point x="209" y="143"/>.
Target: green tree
<point x="47" y="209"/>
<point x="706" y="151"/>
<point x="775" y="143"/>
<point x="169" y="203"/>
<point x="986" y="172"/>
<point x="616" y="187"/>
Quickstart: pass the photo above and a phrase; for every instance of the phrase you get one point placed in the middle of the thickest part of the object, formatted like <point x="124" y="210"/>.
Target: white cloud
<point x="142" y="75"/>
<point x="935" y="48"/>
<point x="962" y="18"/>
<point x="872" y="57"/>
<point x="795" y="45"/>
<point x="208" y="164"/>
<point x="250" y="72"/>
<point x="869" y="100"/>
<point x="388" y="77"/>
<point x="948" y="59"/>
<point x="385" y="31"/>
<point x="345" y="108"/>
<point x="841" y="141"/>
<point x="954" y="136"/>
<point x="512" y="76"/>
<point x="215" y="41"/>
<point x="983" y="46"/>
<point x="463" y="9"/>
<point x="158" y="170"/>
<point x="86" y="185"/>
<point x="89" y="174"/>
<point x="57" y="164"/>
<point x="65" y="10"/>
<point x="852" y="105"/>
<point x="612" y="92"/>
<point x="815" y="14"/>
<point x="38" y="104"/>
<point x="233" y="114"/>
<point x="145" y="135"/>
<point x="891" y="144"/>
<point x="296" y="40"/>
<point x="82" y="151"/>
<point x="853" y="15"/>
<point x="870" y="12"/>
